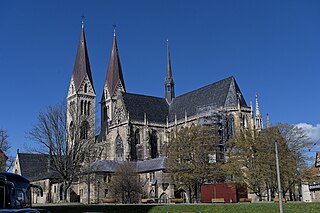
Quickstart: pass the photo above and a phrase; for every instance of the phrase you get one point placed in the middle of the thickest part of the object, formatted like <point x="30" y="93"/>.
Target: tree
<point x="4" y="143"/>
<point x="125" y="184"/>
<point x="67" y="145"/>
<point x="5" y="146"/>
<point x="246" y="162"/>
<point x="251" y="158"/>
<point x="192" y="155"/>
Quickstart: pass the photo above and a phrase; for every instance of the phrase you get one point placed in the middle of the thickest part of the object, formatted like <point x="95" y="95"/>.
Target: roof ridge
<point x="145" y="95"/>
<point x="225" y="79"/>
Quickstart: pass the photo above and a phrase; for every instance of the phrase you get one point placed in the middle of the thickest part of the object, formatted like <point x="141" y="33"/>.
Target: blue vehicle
<point x="15" y="194"/>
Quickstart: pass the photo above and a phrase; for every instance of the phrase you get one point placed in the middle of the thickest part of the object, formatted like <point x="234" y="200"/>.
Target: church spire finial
<point x="82" y="21"/>
<point x="114" y="29"/>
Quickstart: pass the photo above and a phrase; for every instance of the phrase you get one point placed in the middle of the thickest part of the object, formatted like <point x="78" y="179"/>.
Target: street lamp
<point x="278" y="177"/>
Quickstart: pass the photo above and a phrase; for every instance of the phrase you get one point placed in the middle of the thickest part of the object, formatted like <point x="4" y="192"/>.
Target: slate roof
<point x="219" y="94"/>
<point x="223" y="93"/>
<point x="155" y="108"/>
<point x="103" y="166"/>
<point x="82" y="65"/>
<point x="34" y="166"/>
<point x="155" y="164"/>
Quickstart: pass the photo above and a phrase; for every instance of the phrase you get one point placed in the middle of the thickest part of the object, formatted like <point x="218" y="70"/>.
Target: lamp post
<point x="278" y="177"/>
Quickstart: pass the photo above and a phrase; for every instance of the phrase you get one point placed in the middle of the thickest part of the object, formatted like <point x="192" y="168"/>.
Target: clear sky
<point x="271" y="47"/>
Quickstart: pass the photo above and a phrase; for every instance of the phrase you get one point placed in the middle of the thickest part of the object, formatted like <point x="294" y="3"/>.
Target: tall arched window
<point x="71" y="131"/>
<point x="230" y="125"/>
<point x="137" y="136"/>
<point x="105" y="113"/>
<point x="119" y="148"/>
<point x="85" y="108"/>
<point x="81" y="107"/>
<point x="84" y="129"/>
<point x="85" y="88"/>
<point x="89" y="108"/>
<point x="153" y="144"/>
<point x="133" y="145"/>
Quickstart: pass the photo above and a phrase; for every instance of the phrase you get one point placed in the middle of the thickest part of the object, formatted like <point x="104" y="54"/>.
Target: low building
<point x="36" y="168"/>
<point x="154" y="180"/>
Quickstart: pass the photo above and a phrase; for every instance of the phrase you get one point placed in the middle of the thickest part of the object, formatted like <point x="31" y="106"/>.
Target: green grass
<point x="204" y="208"/>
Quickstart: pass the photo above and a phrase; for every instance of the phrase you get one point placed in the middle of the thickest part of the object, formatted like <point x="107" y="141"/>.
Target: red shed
<point x="231" y="192"/>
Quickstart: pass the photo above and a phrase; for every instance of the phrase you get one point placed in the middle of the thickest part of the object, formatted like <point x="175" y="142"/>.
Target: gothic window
<point x="137" y="136"/>
<point x="119" y="149"/>
<point x="81" y="107"/>
<point x="84" y="129"/>
<point x="133" y="145"/>
<point x="71" y="131"/>
<point x="85" y="108"/>
<point x="105" y="113"/>
<point x="230" y="125"/>
<point x="153" y="144"/>
<point x="89" y="106"/>
<point x="85" y="88"/>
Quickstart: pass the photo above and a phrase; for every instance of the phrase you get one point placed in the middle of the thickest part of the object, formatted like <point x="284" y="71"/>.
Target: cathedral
<point x="136" y="128"/>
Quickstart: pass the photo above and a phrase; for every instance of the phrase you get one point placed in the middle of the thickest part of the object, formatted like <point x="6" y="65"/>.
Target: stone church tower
<point x="81" y="99"/>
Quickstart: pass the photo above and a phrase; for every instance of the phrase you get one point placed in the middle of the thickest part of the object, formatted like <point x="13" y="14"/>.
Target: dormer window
<point x="85" y="88"/>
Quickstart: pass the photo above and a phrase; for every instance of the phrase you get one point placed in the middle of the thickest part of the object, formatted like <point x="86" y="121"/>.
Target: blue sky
<point x="271" y="47"/>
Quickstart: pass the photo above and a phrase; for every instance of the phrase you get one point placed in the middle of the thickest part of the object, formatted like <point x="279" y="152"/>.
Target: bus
<point x="15" y="194"/>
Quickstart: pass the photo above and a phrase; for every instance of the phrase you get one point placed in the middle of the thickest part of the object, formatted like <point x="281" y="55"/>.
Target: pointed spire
<point x="257" y="107"/>
<point x="81" y="67"/>
<point x="169" y="77"/>
<point x="251" y="109"/>
<point x="169" y="84"/>
<point x="114" y="73"/>
<point x="258" y="117"/>
<point x="268" y="121"/>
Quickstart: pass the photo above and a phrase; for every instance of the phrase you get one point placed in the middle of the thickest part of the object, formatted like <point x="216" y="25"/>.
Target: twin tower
<point x="81" y="97"/>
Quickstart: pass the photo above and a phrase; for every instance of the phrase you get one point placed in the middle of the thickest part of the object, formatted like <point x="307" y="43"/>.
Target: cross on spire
<point x="82" y="20"/>
<point x="114" y="29"/>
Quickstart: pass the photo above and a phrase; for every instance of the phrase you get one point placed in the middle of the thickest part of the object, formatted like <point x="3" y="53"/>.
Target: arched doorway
<point x="180" y="193"/>
<point x="163" y="198"/>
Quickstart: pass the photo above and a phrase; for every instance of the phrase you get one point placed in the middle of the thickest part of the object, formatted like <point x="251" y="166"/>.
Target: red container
<point x="231" y="192"/>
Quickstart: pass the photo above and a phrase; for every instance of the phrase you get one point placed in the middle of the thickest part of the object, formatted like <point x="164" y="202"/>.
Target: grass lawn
<point x="204" y="208"/>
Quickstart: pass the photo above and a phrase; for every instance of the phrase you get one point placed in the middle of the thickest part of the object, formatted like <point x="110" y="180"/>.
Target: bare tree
<point x="192" y="158"/>
<point x="66" y="144"/>
<point x="125" y="184"/>
<point x="4" y="143"/>
<point x="5" y="146"/>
